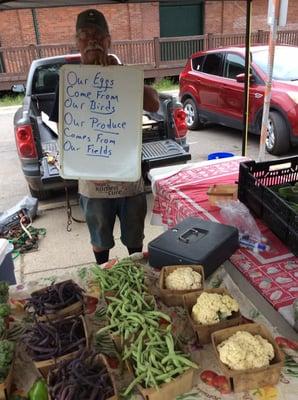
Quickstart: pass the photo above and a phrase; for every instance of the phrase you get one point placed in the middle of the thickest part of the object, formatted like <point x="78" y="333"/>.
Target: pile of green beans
<point x="130" y="311"/>
<point x="125" y="272"/>
<point x="154" y="359"/>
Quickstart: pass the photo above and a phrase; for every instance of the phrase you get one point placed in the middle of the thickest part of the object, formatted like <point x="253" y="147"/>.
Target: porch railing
<point x="155" y="54"/>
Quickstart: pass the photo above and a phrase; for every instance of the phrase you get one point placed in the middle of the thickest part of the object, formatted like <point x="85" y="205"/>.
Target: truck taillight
<point x="180" y="122"/>
<point x="25" y="142"/>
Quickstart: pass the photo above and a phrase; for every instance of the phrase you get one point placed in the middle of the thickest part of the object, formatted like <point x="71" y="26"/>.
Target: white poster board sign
<point x="100" y="122"/>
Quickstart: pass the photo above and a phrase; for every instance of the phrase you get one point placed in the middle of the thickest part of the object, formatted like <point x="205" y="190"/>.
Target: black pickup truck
<point x="164" y="132"/>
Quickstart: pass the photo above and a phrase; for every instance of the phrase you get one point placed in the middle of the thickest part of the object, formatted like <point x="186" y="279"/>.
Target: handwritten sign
<point x="100" y="122"/>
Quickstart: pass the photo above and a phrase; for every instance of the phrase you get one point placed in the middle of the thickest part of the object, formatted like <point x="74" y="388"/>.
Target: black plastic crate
<point x="254" y="190"/>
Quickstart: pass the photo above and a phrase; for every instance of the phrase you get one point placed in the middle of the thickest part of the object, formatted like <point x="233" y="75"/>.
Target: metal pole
<point x="268" y="83"/>
<point x="247" y="76"/>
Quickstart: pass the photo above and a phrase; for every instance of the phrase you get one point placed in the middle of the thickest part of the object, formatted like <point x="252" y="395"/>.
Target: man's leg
<point x="100" y="216"/>
<point x="132" y="212"/>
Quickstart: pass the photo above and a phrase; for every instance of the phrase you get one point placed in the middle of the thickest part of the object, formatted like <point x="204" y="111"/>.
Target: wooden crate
<point x="46" y="366"/>
<point x="253" y="378"/>
<point x="204" y="332"/>
<point x="76" y="308"/>
<point x="222" y="192"/>
<point x="5" y="386"/>
<point x="182" y="384"/>
<point x="175" y="297"/>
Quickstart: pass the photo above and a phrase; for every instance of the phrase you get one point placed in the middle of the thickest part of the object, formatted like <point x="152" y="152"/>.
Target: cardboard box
<point x="222" y="192"/>
<point x="46" y="366"/>
<point x="253" y="378"/>
<point x="182" y="384"/>
<point x="204" y="331"/>
<point x="5" y="386"/>
<point x="175" y="297"/>
<point x="102" y="360"/>
<point x="74" y="309"/>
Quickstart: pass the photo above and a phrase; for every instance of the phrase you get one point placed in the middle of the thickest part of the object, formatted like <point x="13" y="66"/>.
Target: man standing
<point x="103" y="201"/>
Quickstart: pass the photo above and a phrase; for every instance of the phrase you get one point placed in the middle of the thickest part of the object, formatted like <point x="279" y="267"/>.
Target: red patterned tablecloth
<point x="184" y="193"/>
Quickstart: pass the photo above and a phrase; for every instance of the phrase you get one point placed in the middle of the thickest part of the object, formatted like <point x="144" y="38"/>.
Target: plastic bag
<point x="27" y="207"/>
<point x="236" y="214"/>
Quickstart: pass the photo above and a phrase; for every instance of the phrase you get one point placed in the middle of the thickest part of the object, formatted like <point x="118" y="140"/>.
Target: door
<point x="178" y="19"/>
<point x="208" y="82"/>
<point x="231" y="99"/>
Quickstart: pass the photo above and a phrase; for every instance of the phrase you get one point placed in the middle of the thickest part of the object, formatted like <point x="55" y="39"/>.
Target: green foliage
<point x="3" y="292"/>
<point x="11" y="100"/>
<point x="4" y="310"/>
<point x="6" y="357"/>
<point x="165" y="84"/>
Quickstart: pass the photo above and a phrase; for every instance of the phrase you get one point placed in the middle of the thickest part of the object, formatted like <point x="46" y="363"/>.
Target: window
<point x="46" y="78"/>
<point x="234" y="66"/>
<point x="212" y="64"/>
<point x="197" y="63"/>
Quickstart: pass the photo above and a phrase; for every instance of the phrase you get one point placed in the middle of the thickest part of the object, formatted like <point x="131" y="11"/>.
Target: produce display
<point x="154" y="358"/>
<point x="211" y="308"/>
<point x="84" y="377"/>
<point x="38" y="391"/>
<point x="3" y="292"/>
<point x="55" y="298"/>
<point x="183" y="278"/>
<point x="125" y="273"/>
<point x="6" y="357"/>
<point x="46" y="340"/>
<point x="243" y="351"/>
<point x="148" y="346"/>
<point x="127" y="342"/>
<point x="289" y="194"/>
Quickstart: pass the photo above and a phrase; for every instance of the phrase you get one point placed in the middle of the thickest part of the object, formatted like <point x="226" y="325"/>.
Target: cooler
<point x="194" y="241"/>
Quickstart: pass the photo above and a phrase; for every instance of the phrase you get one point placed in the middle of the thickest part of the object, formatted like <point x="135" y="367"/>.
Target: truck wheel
<point x="278" y="136"/>
<point x="192" y="116"/>
<point x="40" y="194"/>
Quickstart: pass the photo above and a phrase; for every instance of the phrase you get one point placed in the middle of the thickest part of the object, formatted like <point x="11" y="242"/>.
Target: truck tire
<point x="192" y="116"/>
<point x="40" y="194"/>
<point x="278" y="138"/>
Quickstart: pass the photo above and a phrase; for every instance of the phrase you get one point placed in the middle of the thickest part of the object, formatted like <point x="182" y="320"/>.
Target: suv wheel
<point x="192" y="116"/>
<point x="278" y="137"/>
<point x="40" y="194"/>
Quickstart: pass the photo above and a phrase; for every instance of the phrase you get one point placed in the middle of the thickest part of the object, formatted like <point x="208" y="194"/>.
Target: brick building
<point x="137" y="20"/>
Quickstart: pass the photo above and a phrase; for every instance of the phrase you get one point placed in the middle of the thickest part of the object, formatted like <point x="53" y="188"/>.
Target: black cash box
<point x="194" y="241"/>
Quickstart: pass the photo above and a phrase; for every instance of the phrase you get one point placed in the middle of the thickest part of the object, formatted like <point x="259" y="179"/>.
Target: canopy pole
<point x="268" y="83"/>
<point x="247" y="77"/>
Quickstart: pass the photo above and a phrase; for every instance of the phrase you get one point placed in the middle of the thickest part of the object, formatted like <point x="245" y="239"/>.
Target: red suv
<point x="212" y="86"/>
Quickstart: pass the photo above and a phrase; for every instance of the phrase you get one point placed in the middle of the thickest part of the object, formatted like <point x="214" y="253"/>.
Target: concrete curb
<point x="9" y="109"/>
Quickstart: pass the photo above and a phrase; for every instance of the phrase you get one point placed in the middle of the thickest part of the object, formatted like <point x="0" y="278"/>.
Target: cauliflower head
<point x="244" y="350"/>
<point x="210" y="308"/>
<point x="183" y="278"/>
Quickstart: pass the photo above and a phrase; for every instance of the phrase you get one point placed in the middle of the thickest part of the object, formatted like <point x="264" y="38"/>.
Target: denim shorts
<point x="101" y="214"/>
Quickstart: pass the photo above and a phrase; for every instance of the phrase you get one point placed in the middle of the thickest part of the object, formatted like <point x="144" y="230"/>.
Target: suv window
<point x="234" y="65"/>
<point x="212" y="64"/>
<point x="197" y="63"/>
<point x="45" y="78"/>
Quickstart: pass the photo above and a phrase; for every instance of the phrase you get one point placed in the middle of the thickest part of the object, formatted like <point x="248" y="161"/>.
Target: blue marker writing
<point x="255" y="246"/>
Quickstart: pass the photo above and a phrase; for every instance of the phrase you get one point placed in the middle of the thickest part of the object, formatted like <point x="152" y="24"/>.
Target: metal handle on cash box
<point x="188" y="233"/>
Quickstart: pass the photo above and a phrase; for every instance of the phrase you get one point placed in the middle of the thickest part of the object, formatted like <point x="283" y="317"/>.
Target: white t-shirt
<point x="109" y="189"/>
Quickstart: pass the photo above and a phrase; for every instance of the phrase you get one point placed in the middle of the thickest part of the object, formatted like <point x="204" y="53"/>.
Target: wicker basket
<point x="253" y="378"/>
